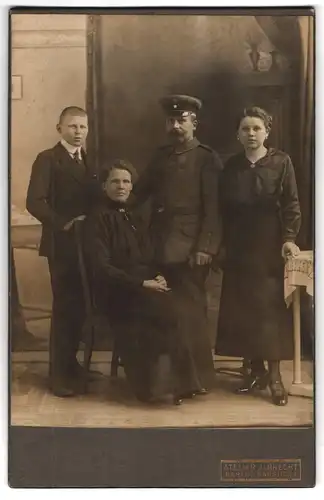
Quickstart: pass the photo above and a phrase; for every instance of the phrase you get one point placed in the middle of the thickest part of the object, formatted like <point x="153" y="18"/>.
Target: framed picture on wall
<point x="16" y="87"/>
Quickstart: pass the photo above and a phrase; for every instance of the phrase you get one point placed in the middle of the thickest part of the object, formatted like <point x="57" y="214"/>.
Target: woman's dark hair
<point x="256" y="112"/>
<point x="119" y="165"/>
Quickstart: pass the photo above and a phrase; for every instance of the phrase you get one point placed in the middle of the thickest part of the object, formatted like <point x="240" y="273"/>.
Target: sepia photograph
<point x="162" y="219"/>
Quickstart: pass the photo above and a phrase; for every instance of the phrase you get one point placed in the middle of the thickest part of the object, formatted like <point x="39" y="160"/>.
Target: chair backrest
<point x="102" y="321"/>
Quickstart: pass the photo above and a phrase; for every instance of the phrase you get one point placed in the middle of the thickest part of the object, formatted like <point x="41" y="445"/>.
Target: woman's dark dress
<point x="260" y="212"/>
<point x="148" y="321"/>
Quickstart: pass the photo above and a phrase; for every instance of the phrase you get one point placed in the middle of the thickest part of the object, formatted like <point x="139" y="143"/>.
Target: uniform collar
<point x="186" y="146"/>
<point x="71" y="149"/>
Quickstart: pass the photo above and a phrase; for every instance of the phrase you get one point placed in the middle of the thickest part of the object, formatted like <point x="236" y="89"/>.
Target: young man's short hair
<point x="72" y="111"/>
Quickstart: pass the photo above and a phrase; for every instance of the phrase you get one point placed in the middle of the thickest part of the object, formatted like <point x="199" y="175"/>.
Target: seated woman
<point x="130" y="290"/>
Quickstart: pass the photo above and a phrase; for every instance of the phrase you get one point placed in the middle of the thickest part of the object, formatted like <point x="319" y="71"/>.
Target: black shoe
<point x="201" y="392"/>
<point x="156" y="401"/>
<point x="279" y="395"/>
<point x="177" y="400"/>
<point x="145" y="396"/>
<point x="63" y="392"/>
<point x="187" y="395"/>
<point x="254" y="382"/>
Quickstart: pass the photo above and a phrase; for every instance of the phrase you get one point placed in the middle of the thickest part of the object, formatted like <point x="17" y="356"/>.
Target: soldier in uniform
<point x="185" y="225"/>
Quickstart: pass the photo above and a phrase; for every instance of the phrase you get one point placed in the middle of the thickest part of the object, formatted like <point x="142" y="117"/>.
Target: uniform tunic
<point x="182" y="183"/>
<point x="260" y="212"/>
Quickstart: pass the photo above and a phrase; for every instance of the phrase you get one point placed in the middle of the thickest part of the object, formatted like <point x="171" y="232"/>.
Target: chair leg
<point x="114" y="363"/>
<point x="87" y="354"/>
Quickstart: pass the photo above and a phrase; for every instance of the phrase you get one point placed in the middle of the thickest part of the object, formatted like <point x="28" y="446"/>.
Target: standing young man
<point x="60" y="192"/>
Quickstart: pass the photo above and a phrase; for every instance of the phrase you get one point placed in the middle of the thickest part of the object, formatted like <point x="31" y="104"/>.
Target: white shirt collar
<point x="71" y="149"/>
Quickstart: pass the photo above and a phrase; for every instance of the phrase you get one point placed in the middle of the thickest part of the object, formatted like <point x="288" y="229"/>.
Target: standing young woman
<point x="261" y="221"/>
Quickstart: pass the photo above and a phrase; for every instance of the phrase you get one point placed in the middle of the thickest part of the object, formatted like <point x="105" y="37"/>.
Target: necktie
<point x="76" y="157"/>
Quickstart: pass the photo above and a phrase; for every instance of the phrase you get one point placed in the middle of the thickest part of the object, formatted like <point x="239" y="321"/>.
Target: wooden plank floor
<point x="109" y="403"/>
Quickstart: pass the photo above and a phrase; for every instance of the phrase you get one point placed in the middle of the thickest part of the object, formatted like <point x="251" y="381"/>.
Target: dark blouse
<point x="269" y="184"/>
<point x="119" y="250"/>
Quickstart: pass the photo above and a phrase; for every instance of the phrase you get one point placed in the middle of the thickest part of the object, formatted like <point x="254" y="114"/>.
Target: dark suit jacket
<point x="183" y="184"/>
<point x="59" y="190"/>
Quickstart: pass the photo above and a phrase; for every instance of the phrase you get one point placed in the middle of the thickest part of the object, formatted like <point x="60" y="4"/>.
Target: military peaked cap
<point x="180" y="104"/>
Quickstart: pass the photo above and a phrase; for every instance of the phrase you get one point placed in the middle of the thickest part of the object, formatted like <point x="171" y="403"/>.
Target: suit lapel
<point x="66" y="163"/>
<point x="85" y="159"/>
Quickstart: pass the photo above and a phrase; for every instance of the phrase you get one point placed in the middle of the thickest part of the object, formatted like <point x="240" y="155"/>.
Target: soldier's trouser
<point x="188" y="287"/>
